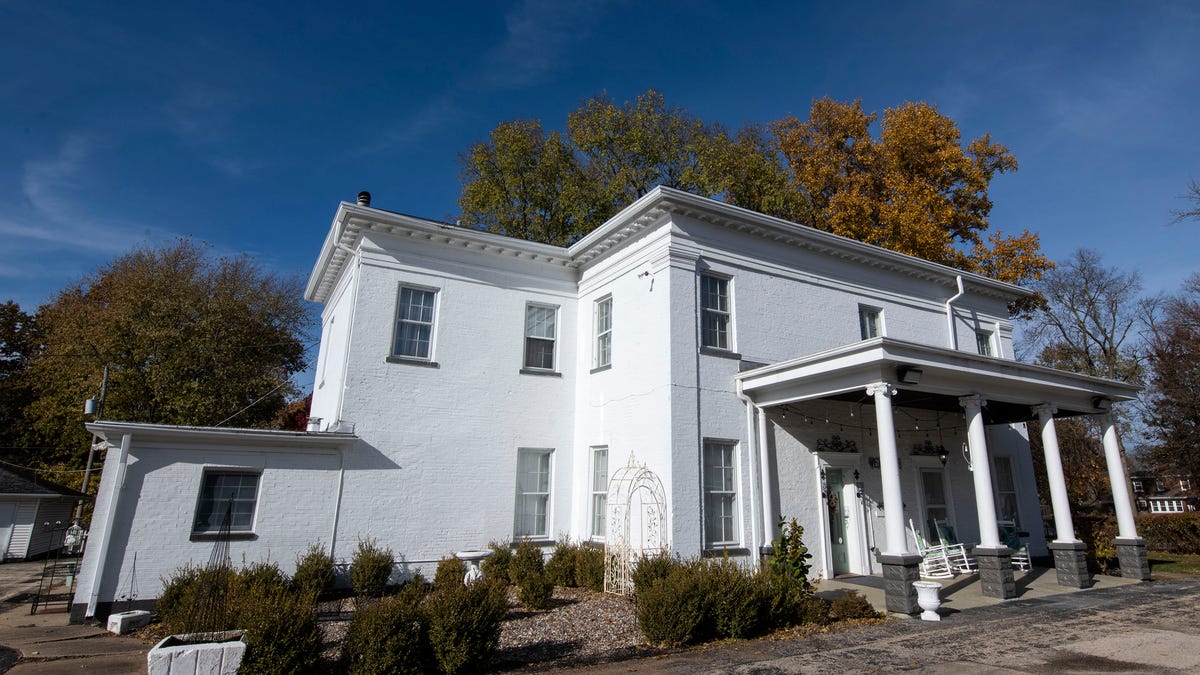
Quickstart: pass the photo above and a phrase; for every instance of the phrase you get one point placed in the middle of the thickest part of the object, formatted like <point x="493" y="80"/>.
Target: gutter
<point x="951" y="333"/>
<point x="110" y="517"/>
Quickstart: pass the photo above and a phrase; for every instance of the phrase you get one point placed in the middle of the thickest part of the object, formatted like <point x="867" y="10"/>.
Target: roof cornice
<point x="258" y="438"/>
<point x="352" y="221"/>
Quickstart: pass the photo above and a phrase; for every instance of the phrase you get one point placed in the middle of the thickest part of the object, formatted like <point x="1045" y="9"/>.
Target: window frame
<point x="394" y="353"/>
<point x="526" y="337"/>
<point x="1015" y="492"/>
<point x="984" y="343"/>
<point x="1185" y="484"/>
<point x="1137" y="485"/>
<point x="724" y="495"/>
<point x="725" y="315"/>
<point x="599" y="497"/>
<point x="1167" y="506"/>
<point x="872" y="312"/>
<point x="601" y="336"/>
<point x="234" y="531"/>
<point x="546" y="497"/>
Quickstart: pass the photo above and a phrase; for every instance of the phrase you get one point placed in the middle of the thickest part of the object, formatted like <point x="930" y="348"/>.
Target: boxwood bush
<point x="370" y="568"/>
<point x="314" y="572"/>
<point x="464" y="625"/>
<point x="495" y="566"/>
<point x="450" y="571"/>
<point x="589" y="567"/>
<point x="391" y="636"/>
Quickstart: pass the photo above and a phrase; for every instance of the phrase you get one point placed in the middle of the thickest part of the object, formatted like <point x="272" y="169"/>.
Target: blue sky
<point x="243" y="124"/>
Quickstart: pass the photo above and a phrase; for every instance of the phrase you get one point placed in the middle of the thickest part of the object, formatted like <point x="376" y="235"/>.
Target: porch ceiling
<point x="1011" y="388"/>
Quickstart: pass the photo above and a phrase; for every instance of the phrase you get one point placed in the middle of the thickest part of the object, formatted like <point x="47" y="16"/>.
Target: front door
<point x="838" y="521"/>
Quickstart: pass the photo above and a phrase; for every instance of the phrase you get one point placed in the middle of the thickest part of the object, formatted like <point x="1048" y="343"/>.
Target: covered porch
<point x="896" y="386"/>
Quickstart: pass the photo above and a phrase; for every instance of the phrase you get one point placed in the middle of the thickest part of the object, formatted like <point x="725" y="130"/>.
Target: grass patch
<point x="1174" y="563"/>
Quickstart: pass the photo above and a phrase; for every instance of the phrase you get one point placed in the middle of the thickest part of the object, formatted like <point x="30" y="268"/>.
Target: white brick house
<point x="759" y="368"/>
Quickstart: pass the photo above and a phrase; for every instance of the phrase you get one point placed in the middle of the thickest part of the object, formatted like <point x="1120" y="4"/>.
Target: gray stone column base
<point x="1131" y="556"/>
<point x="1070" y="564"/>
<point x="995" y="572"/>
<point x="899" y="573"/>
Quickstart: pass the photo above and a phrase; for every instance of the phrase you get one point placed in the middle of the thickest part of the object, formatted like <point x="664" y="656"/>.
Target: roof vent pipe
<point x="364" y="198"/>
<point x="953" y="334"/>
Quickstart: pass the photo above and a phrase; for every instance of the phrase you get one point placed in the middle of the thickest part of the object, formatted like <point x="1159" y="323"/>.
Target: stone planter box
<point x="186" y="655"/>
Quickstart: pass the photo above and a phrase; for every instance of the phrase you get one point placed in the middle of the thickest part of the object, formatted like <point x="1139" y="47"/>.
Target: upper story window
<point x="983" y="343"/>
<point x="541" y="333"/>
<point x="1137" y="486"/>
<point x="232" y="493"/>
<point x="1185" y="484"/>
<point x="414" y="323"/>
<point x="715" y="312"/>
<point x="870" y="322"/>
<point x="720" y="493"/>
<point x="603" y="323"/>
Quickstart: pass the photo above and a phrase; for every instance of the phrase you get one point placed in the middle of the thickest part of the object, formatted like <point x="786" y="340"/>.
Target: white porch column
<point x="1063" y="524"/>
<point x="770" y="513"/>
<point x="985" y="500"/>
<point x="1116" y="477"/>
<point x="889" y="469"/>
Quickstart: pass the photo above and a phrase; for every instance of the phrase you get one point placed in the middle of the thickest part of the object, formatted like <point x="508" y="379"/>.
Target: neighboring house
<point x="1157" y="492"/>
<point x="34" y="514"/>
<point x="494" y="388"/>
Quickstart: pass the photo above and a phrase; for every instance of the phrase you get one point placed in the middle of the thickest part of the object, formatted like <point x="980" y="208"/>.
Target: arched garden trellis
<point x="636" y="516"/>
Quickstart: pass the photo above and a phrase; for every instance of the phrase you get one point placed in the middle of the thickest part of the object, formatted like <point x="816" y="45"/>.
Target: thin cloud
<point x="201" y="116"/>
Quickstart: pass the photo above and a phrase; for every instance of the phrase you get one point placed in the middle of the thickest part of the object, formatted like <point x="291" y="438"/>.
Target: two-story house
<point x="472" y="387"/>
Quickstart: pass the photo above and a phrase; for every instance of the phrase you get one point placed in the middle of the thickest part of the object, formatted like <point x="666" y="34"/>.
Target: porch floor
<point x="963" y="592"/>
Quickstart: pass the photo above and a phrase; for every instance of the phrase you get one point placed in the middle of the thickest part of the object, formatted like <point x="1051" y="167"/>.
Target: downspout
<point x="953" y="335"/>
<point x="110" y="518"/>
<point x="337" y="504"/>
<point x="758" y="533"/>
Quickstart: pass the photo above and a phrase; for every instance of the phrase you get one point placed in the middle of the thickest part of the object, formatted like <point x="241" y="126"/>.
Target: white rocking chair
<point x="960" y="560"/>
<point x="935" y="564"/>
<point x="1011" y="538"/>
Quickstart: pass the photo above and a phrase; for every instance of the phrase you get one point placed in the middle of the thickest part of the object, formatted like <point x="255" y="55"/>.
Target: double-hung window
<point x="541" y="332"/>
<point x="414" y="323"/>
<point x="1006" y="489"/>
<point x="715" y="314"/>
<point x="603" y="322"/>
<point x="720" y="493"/>
<point x="232" y="494"/>
<point x="870" y="322"/>
<point x="599" y="490"/>
<point x="531" y="520"/>
<point x="1185" y="484"/>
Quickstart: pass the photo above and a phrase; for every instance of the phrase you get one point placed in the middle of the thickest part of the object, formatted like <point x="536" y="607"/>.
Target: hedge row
<point x="1171" y="532"/>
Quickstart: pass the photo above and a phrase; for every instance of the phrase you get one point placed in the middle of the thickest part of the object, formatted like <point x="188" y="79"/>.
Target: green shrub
<point x="262" y="575"/>
<point x="389" y="637"/>
<point x="370" y="568"/>
<point x="282" y="635"/>
<point x="851" y="605"/>
<point x="526" y="561"/>
<point x="560" y="569"/>
<point x="652" y="569"/>
<point x="791" y="556"/>
<point x="732" y="600"/>
<point x="1171" y="532"/>
<point x="415" y="589"/>
<point x="589" y="567"/>
<point x="781" y="600"/>
<point x="535" y="590"/>
<point x="314" y="572"/>
<point x="197" y="599"/>
<point x="813" y="610"/>
<point x="449" y="571"/>
<point x="464" y="625"/>
<point x="1098" y="534"/>
<point x="495" y="566"/>
<point x="671" y="610"/>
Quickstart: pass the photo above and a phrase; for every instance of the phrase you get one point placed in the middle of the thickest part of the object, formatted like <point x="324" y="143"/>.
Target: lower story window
<point x="531" y="520"/>
<point x="599" y="490"/>
<point x="720" y="494"/>
<point x="1166" y="506"/>
<point x="224" y="495"/>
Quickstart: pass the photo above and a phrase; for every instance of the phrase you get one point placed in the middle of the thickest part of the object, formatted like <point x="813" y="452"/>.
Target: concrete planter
<point x="185" y="655"/>
<point x="928" y="599"/>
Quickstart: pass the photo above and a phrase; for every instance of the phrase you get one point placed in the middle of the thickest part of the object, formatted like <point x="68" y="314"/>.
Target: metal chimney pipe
<point x="364" y="198"/>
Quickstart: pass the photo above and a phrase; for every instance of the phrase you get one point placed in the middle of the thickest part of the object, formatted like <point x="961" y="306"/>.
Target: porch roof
<point x="941" y="376"/>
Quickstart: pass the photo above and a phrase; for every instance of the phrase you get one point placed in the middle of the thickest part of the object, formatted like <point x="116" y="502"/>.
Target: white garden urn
<point x="928" y="599"/>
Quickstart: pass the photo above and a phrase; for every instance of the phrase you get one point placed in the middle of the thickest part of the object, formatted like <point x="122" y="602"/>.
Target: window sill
<point x="720" y="353"/>
<point x="410" y="361"/>
<point x="214" y="536"/>
<point x="539" y="541"/>
<point x="542" y="373"/>
<point x="600" y="369"/>
<point x="722" y="551"/>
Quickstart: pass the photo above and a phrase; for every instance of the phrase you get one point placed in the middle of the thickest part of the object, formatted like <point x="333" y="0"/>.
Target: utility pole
<point x="87" y="472"/>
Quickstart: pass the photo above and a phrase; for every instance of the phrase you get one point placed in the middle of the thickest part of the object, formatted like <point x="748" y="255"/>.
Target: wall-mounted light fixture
<point x="908" y="374"/>
<point x="943" y="456"/>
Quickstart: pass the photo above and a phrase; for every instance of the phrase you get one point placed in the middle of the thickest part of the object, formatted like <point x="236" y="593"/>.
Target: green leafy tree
<point x="18" y="343"/>
<point x="188" y="339"/>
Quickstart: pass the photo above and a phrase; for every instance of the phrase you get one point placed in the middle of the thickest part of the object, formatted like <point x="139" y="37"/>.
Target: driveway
<point x="1144" y="628"/>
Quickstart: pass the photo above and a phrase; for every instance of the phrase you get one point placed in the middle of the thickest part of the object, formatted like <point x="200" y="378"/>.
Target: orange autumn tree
<point x="915" y="189"/>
